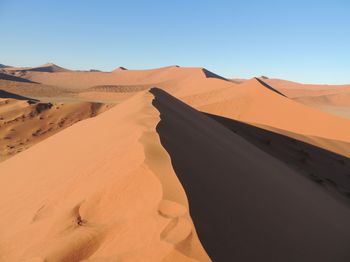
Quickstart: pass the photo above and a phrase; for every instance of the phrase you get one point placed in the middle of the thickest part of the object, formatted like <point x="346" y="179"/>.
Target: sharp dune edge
<point x="334" y="99"/>
<point x="184" y="165"/>
<point x="261" y="209"/>
<point x="122" y="200"/>
<point x="294" y="90"/>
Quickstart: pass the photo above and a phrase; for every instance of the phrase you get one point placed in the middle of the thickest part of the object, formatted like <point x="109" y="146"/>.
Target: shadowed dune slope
<point x="5" y="94"/>
<point x="100" y="190"/>
<point x="261" y="81"/>
<point x="13" y="78"/>
<point x="210" y="74"/>
<point x="120" y="68"/>
<point x="83" y="80"/>
<point x="253" y="103"/>
<point x="322" y="166"/>
<point x="246" y="204"/>
<point x="49" y="67"/>
<point x="32" y="89"/>
<point x="294" y="89"/>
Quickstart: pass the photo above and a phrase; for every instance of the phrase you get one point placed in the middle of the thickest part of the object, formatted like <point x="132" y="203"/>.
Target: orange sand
<point x="122" y="200"/>
<point x="104" y="189"/>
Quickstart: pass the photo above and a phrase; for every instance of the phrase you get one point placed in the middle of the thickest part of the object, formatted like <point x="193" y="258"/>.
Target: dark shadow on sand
<point x="14" y="78"/>
<point x="320" y="165"/>
<point x="269" y="87"/>
<point x="45" y="69"/>
<point x="209" y="74"/>
<point x="248" y="205"/>
<point x="5" y="94"/>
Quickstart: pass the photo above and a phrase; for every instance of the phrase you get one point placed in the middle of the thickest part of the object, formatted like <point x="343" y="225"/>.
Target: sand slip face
<point x="337" y="104"/>
<point x="101" y="190"/>
<point x="81" y="80"/>
<point x="252" y="103"/>
<point x="248" y="205"/>
<point x="49" y="67"/>
<point x="333" y="99"/>
<point x="295" y="90"/>
<point x="105" y="189"/>
<point x="173" y="78"/>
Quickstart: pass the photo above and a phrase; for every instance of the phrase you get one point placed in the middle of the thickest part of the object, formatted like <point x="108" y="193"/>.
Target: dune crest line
<point x="247" y="205"/>
<point x="106" y="191"/>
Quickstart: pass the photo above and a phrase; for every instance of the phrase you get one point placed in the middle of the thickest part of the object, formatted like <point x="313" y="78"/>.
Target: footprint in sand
<point x="179" y="227"/>
<point x="171" y="209"/>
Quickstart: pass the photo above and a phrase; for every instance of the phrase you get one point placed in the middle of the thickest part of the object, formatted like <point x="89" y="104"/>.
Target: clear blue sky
<point x="301" y="40"/>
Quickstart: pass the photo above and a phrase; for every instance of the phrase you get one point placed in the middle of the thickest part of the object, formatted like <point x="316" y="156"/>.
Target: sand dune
<point x="180" y="80"/>
<point x="25" y="121"/>
<point x="253" y="166"/>
<point x="49" y="67"/>
<point x="335" y="103"/>
<point x="4" y="94"/>
<point x="333" y="99"/>
<point x="82" y="80"/>
<point x="9" y="77"/>
<point x="339" y="99"/>
<point x="120" y="68"/>
<point x="35" y="90"/>
<point x="246" y="204"/>
<point x="324" y="167"/>
<point x="251" y="102"/>
<point x="122" y="200"/>
<point x="293" y="89"/>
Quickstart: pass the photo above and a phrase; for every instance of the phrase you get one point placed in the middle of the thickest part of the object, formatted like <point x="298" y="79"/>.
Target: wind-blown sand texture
<point x="184" y="165"/>
<point x="333" y="99"/>
<point x="25" y="122"/>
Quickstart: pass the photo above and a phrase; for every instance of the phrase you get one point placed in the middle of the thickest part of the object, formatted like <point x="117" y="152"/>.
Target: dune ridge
<point x="122" y="199"/>
<point x="81" y="80"/>
<point x="333" y="99"/>
<point x="261" y="210"/>
<point x="324" y="167"/>
<point x="49" y="67"/>
<point x="294" y="89"/>
<point x="9" y="77"/>
<point x="259" y="175"/>
<point x="252" y="103"/>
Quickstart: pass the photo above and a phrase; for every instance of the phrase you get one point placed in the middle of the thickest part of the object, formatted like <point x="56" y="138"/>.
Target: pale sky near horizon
<point x="300" y="40"/>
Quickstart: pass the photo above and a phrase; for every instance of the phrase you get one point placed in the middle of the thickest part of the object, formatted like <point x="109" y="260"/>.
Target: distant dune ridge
<point x="120" y="68"/>
<point x="9" y="77"/>
<point x="171" y="164"/>
<point x="49" y="67"/>
<point x="334" y="99"/>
